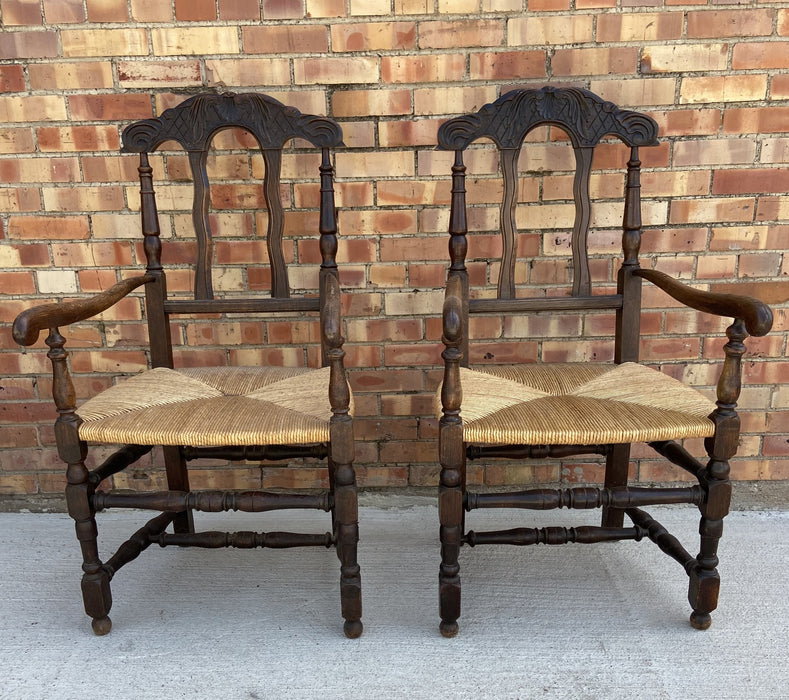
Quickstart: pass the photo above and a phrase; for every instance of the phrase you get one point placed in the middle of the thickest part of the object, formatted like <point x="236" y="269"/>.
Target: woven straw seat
<point x="579" y="404"/>
<point x="212" y="406"/>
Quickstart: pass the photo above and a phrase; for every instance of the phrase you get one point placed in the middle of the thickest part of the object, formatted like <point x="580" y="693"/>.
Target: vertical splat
<point x="582" y="285"/>
<point x="276" y="223"/>
<point x="509" y="168"/>
<point x="205" y="244"/>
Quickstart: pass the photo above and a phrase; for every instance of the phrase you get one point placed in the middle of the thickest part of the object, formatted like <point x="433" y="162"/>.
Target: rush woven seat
<point x="212" y="406"/>
<point x="575" y="403"/>
<point x="286" y="402"/>
<point x="547" y="281"/>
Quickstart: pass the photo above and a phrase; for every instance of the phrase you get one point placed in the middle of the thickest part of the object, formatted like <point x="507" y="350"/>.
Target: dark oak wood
<point x="586" y="119"/>
<point x="193" y="124"/>
<point x="586" y="497"/>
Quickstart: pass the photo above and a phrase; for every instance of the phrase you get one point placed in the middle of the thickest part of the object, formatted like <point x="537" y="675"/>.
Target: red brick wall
<point x="74" y="72"/>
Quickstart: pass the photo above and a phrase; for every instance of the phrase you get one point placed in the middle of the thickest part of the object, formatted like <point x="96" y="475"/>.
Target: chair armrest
<point x="31" y="322"/>
<point x="755" y="314"/>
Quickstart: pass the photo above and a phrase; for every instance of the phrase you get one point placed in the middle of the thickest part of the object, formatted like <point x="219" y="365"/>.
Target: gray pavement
<point x="597" y="621"/>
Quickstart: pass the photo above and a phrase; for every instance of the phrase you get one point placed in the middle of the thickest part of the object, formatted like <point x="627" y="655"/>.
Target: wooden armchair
<point x="229" y="412"/>
<point x="543" y="410"/>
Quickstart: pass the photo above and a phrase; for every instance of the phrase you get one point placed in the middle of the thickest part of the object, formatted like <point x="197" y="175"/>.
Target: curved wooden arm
<point x="31" y="322"/>
<point x="755" y="314"/>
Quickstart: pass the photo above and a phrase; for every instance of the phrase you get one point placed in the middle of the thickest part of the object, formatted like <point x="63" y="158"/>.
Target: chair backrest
<point x="586" y="119"/>
<point x="193" y="124"/>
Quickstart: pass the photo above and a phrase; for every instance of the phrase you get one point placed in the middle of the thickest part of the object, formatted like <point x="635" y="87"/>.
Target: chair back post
<point x="327" y="226"/>
<point x="458" y="246"/>
<point x="628" y="317"/>
<point x="156" y="290"/>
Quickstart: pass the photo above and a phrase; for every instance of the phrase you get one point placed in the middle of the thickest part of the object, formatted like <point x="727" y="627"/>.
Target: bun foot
<point x="448" y="629"/>
<point x="700" y="621"/>
<point x="101" y="626"/>
<point x="353" y="629"/>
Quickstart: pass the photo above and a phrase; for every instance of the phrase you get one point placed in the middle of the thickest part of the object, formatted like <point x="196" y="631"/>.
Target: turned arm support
<point x="453" y="336"/>
<point x="756" y="315"/>
<point x="31" y="322"/>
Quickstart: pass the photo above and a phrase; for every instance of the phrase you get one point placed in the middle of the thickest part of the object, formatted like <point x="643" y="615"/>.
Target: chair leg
<point x="617" y="464"/>
<point x="96" y="593"/>
<point x="178" y="480"/>
<point x="450" y="515"/>
<point x="704" y="578"/>
<point x="346" y="519"/>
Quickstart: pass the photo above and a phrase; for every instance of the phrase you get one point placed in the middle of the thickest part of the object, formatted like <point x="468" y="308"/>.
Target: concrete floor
<point x="598" y="621"/>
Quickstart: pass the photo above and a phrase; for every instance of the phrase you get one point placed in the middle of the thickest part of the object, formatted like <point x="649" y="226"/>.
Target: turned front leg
<point x="722" y="446"/>
<point x="79" y="491"/>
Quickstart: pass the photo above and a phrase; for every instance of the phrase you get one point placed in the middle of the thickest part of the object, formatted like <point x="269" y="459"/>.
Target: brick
<point x="48" y="227"/>
<point x="282" y="9"/>
<point x="89" y="198"/>
<point x="453" y="34"/>
<point x="78" y="138"/>
<point x="20" y="12"/>
<point x="418" y="132"/>
<point x="71" y="76"/>
<point x="12" y="79"/>
<point x="16" y="140"/>
<point x="539" y="31"/>
<point x="423" y="68"/>
<point x="714" y="152"/>
<point x="19" y="199"/>
<point x="413" y="7"/>
<point x="107" y="11"/>
<point x="723" y="88"/>
<point x="373" y="36"/>
<point x="33" y="44"/>
<point x="64" y="11"/>
<point x="507" y="65"/>
<point x="760" y="56"/>
<point x="729" y="23"/>
<point x="758" y="181"/>
<point x="751" y="120"/>
<point x="335" y="70"/>
<point x="390" y="221"/>
<point x="120" y="107"/>
<point x="349" y="103"/>
<point x="688" y="122"/>
<point x="645" y="26"/>
<point x="34" y="108"/>
<point x="451" y="100"/>
<point x="104" y="42"/>
<point x="775" y="150"/>
<point x="40" y="170"/>
<point x="385" y="163"/>
<point x="141" y="74"/>
<point x="190" y="41"/>
<point x="388" y="275"/>
<point x="151" y="11"/>
<point x="712" y="210"/>
<point x="326" y="8"/>
<point x="239" y="9"/>
<point x="195" y="10"/>
<point x="683" y="58"/>
<point x="595" y="61"/>
<point x="759" y="265"/>
<point x="305" y="38"/>
<point x="369" y="7"/>
<point x="458" y="6"/>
